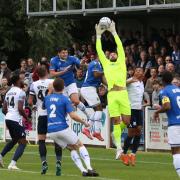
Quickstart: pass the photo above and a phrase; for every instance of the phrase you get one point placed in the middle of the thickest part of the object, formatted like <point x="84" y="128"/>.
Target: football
<point x="105" y="22"/>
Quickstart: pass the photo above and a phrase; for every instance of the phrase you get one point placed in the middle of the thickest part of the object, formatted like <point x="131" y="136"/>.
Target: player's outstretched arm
<point x="120" y="49"/>
<point x="99" y="32"/>
<point x="75" y="117"/>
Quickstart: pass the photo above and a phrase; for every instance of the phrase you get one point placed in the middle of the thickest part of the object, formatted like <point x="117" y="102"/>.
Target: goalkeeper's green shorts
<point x="118" y="103"/>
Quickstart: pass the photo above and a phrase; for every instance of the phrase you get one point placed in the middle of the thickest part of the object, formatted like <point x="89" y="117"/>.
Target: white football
<point x="104" y="22"/>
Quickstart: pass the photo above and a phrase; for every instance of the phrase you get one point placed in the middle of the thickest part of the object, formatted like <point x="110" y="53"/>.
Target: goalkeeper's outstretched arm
<point x="102" y="57"/>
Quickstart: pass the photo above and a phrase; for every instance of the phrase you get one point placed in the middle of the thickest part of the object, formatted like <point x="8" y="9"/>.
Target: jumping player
<point x="115" y="72"/>
<point x="62" y="66"/>
<point x="89" y="93"/>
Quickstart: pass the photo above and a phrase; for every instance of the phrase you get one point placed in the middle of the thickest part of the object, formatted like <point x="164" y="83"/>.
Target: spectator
<point x="144" y="63"/>
<point x="163" y="52"/>
<point x="135" y="54"/>
<point x="157" y="86"/>
<point x="170" y="67"/>
<point x="149" y="83"/>
<point x="160" y="71"/>
<point x="156" y="47"/>
<point x="146" y="100"/>
<point x="151" y="55"/>
<point x="3" y="89"/>
<point x="176" y="81"/>
<point x="168" y="59"/>
<point x="5" y="72"/>
<point x="130" y="72"/>
<point x="176" y="57"/>
<point x="30" y="65"/>
<point x="107" y="53"/>
<point x="160" y="61"/>
<point x="23" y="66"/>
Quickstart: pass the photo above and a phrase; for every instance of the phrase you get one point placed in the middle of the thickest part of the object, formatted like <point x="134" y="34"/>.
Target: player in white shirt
<point x="38" y="90"/>
<point x="135" y="88"/>
<point x="13" y="107"/>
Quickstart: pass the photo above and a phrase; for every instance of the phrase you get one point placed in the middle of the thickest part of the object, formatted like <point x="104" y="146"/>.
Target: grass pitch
<point x="150" y="166"/>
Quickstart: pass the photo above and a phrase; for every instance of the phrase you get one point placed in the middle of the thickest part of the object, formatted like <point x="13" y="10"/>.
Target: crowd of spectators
<point x="155" y="54"/>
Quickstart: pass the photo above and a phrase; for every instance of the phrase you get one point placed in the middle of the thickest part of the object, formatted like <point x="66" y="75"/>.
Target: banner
<point x="156" y="132"/>
<point x="105" y="131"/>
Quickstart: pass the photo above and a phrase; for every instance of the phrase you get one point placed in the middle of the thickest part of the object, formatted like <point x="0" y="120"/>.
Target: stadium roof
<point x="89" y="7"/>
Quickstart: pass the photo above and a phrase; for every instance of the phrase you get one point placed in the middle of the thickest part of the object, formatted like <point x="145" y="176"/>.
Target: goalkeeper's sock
<point x="85" y="156"/>
<point x="127" y="144"/>
<point x="58" y="152"/>
<point x="19" y="151"/>
<point x="117" y="135"/>
<point x="77" y="160"/>
<point x="42" y="150"/>
<point x="176" y="162"/>
<point x="122" y="125"/>
<point x="136" y="142"/>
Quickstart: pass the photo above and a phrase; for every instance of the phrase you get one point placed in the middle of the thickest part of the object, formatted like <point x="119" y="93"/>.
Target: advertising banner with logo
<point x="105" y="131"/>
<point x="156" y="132"/>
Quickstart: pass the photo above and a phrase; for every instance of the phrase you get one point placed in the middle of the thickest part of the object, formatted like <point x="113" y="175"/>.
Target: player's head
<point x="167" y="77"/>
<point x="113" y="56"/>
<point x="58" y="84"/>
<point x="176" y="80"/>
<point x="139" y="73"/>
<point x="42" y="72"/>
<point x="63" y="53"/>
<point x="16" y="81"/>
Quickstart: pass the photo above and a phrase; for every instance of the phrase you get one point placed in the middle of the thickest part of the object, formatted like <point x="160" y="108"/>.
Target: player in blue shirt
<point x="170" y="98"/>
<point x="62" y="66"/>
<point x="58" y="106"/>
<point x="89" y="93"/>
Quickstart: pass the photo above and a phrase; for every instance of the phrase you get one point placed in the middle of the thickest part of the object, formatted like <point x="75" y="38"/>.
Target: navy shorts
<point x="136" y="118"/>
<point x="42" y="125"/>
<point x="16" y="131"/>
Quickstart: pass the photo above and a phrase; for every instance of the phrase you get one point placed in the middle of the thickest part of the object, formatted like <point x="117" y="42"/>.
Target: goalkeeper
<point x="115" y="73"/>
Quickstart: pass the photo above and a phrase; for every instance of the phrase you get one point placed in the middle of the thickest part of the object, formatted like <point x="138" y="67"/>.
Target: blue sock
<point x="8" y="147"/>
<point x="19" y="151"/>
<point x="42" y="150"/>
<point x="58" y="152"/>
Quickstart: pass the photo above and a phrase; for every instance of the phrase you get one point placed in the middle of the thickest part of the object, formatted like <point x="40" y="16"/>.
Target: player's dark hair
<point x="58" y="84"/>
<point x="167" y="77"/>
<point x="62" y="49"/>
<point x="41" y="71"/>
<point x="14" y="79"/>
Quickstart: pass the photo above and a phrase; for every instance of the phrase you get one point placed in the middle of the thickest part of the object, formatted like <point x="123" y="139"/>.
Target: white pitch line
<point x="103" y="159"/>
<point x="68" y="175"/>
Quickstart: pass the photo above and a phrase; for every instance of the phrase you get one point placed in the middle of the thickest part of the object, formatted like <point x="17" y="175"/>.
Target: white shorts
<point x="71" y="89"/>
<point x="174" y="136"/>
<point x="90" y="95"/>
<point x="64" y="137"/>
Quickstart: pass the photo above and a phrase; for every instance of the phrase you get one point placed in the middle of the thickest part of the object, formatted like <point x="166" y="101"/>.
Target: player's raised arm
<point x="102" y="57"/>
<point x="120" y="49"/>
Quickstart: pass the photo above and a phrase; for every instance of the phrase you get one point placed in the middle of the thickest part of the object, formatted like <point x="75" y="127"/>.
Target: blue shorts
<point x="136" y="118"/>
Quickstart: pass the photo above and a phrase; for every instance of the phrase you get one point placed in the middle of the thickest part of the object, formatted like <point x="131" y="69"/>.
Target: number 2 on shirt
<point x="53" y="110"/>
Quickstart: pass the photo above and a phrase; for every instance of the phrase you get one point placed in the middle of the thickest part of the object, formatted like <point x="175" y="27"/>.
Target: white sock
<point x="13" y="163"/>
<point x="98" y="121"/>
<point x="77" y="160"/>
<point x="82" y="107"/>
<point x="176" y="162"/>
<point x="1" y="157"/>
<point x="85" y="156"/>
<point x="91" y="121"/>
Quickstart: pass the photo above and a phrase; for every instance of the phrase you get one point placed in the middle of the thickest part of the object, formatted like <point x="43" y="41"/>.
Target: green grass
<point x="150" y="166"/>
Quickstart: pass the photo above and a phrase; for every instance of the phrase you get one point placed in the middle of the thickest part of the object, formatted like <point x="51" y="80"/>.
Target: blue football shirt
<point x="58" y="65"/>
<point x="171" y="94"/>
<point x="57" y="106"/>
<point x="90" y="80"/>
